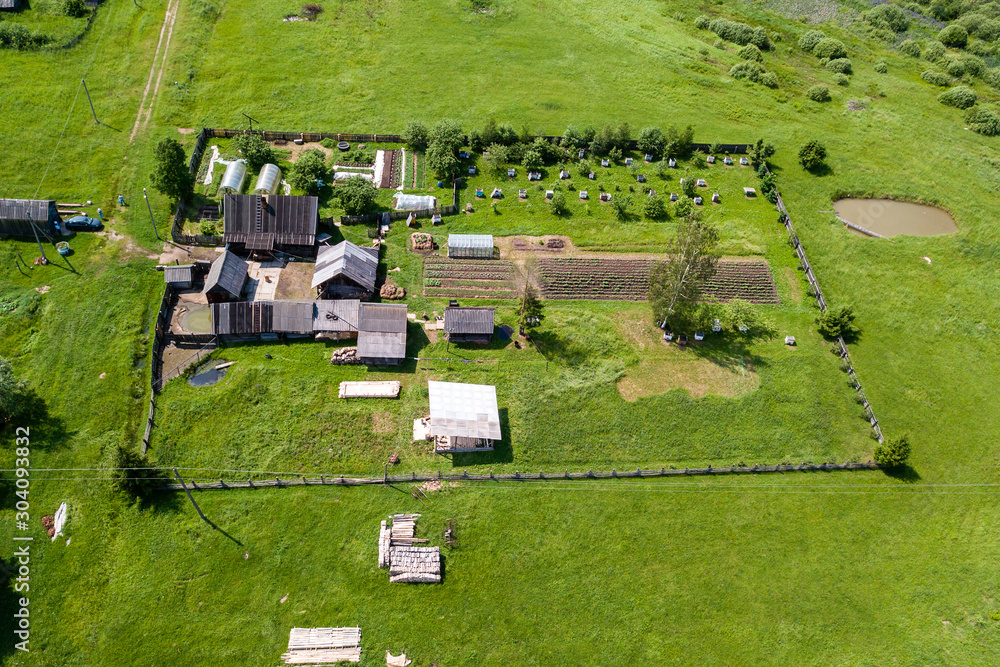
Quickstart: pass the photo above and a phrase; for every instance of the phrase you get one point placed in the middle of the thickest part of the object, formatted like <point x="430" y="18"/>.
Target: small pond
<point x="894" y="218"/>
<point x="206" y="375"/>
<point x="198" y="319"/>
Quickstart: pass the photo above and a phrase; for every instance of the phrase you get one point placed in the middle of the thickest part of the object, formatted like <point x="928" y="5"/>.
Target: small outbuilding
<point x="698" y="200"/>
<point x="23" y="217"/>
<point x="744" y="162"/>
<point x="496" y="194"/>
<point x="511" y="173"/>
<point x="382" y="333"/>
<point x="472" y="170"/>
<point x="749" y="192"/>
<point x="672" y="163"/>
<point x="464" y="417"/>
<point x="268" y="180"/>
<point x="226" y="278"/>
<point x="469" y="325"/>
<point x="564" y="174"/>
<point x="583" y="194"/>
<point x="345" y="270"/>
<point x="234" y="177"/>
<point x="702" y="183"/>
<point x="336" y="319"/>
<point x="179" y="277"/>
<point x="605" y="162"/>
<point x="470" y="246"/>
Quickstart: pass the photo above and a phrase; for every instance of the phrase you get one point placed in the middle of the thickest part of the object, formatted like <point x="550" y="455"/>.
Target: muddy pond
<point x="198" y="319"/>
<point x="894" y="218"/>
<point x="207" y="374"/>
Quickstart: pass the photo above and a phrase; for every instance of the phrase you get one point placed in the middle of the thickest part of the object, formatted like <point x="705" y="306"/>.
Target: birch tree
<point x="676" y="284"/>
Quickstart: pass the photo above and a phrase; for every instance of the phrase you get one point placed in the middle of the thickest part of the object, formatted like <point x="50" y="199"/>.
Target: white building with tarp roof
<point x="463" y="417"/>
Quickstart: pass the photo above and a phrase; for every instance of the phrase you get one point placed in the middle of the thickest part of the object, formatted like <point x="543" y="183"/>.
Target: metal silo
<point x="268" y="180"/>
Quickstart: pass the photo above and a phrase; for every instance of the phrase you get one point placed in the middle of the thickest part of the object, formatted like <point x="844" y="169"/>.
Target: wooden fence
<point x="343" y="480"/>
<point x="821" y="301"/>
<point x="156" y="361"/>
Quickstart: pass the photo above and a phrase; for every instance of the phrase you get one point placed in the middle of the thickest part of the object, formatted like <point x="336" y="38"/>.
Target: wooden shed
<point x="382" y="333"/>
<point x="226" y="278"/>
<point x="180" y="276"/>
<point x="469" y="325"/>
<point x="345" y="270"/>
<point x="23" y="217"/>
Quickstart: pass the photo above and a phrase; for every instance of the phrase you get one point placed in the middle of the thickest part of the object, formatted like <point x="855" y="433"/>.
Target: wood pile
<point x="422" y="241"/>
<point x="314" y="646"/>
<point x="391" y="291"/>
<point x="407" y="563"/>
<point x="345" y="355"/>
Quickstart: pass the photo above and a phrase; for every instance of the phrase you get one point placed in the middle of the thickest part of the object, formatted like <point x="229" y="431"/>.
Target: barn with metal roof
<point x="464" y="417"/>
<point x="180" y="276"/>
<point x="345" y="270"/>
<point x="470" y="246"/>
<point x="226" y="278"/>
<point x="339" y="316"/>
<point x="469" y="325"/>
<point x="382" y="333"/>
<point x="17" y="216"/>
<point x="273" y="222"/>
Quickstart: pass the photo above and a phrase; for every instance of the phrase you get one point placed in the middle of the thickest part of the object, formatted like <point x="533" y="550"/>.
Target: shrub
<point x="720" y="44"/>
<point x="558" y="204"/>
<point x="651" y="140"/>
<point x="619" y="205"/>
<point x="808" y="41"/>
<point x="769" y="79"/>
<point x="935" y="78"/>
<point x="683" y="207"/>
<point x="839" y="322"/>
<point x="416" y="136"/>
<point x="310" y="166"/>
<point x="934" y="51"/>
<point x="207" y="227"/>
<point x="812" y="154"/>
<point x="842" y="80"/>
<point x="881" y="67"/>
<point x="311" y="11"/>
<point x="893" y="453"/>
<point x="973" y="65"/>
<point x="983" y="121"/>
<point x="74" y="8"/>
<point x="750" y="70"/>
<point x="254" y="150"/>
<point x="170" y="174"/>
<point x="17" y="36"/>
<point x="818" y="93"/>
<point x="655" y="207"/>
<point x="131" y="472"/>
<point x="960" y="97"/>
<point x="356" y="195"/>
<point x="889" y="17"/>
<point x="955" y="67"/>
<point x="979" y="48"/>
<point x="751" y="52"/>
<point x="910" y="47"/>
<point x="740" y="33"/>
<point x="992" y="77"/>
<point x="702" y="22"/>
<point x="840" y="66"/>
<point x="954" y="35"/>
<point x="830" y="48"/>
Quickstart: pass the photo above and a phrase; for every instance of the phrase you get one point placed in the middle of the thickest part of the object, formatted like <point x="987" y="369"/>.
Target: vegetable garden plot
<point x="628" y="280"/>
<point x="469" y="278"/>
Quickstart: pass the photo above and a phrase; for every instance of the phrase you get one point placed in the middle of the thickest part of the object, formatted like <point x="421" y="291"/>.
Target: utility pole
<point x="90" y="100"/>
<point x="45" y="260"/>
<point x="150" y="209"/>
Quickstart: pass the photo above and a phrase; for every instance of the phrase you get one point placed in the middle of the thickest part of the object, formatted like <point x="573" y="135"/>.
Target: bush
<point x="840" y="66"/>
<point x="619" y="206"/>
<point x="683" y="207"/>
<point x="889" y="17"/>
<point x="356" y="195"/>
<point x="416" y="136"/>
<point x="532" y="159"/>
<point x="960" y="97"/>
<point x="881" y="67"/>
<point x="740" y="33"/>
<point x="769" y="79"/>
<point x="840" y="322"/>
<point x="702" y="22"/>
<point x="893" y="453"/>
<point x="17" y="36"/>
<point x="720" y="44"/>
<point x="934" y="51"/>
<point x="910" y="47"/>
<point x="131" y="472"/>
<point x="936" y="78"/>
<point x="812" y="154"/>
<point x="992" y="77"/>
<point x="311" y="11"/>
<point x="818" y="93"/>
<point x="310" y="166"/>
<point x="558" y="204"/>
<point x="254" y="150"/>
<point x="842" y="80"/>
<point x="750" y="70"/>
<point x="954" y="35"/>
<point x="980" y="48"/>
<point x="830" y="48"/>
<point x="983" y="121"/>
<point x="74" y="8"/>
<point x="808" y="41"/>
<point x="973" y="65"/>
<point x="955" y="67"/>
<point x="651" y="140"/>
<point x="655" y="207"/>
<point x="207" y="228"/>
<point x="751" y="52"/>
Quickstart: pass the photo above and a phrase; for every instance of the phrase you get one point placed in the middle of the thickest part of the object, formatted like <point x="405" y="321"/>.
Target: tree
<point x="254" y="150"/>
<point x="12" y="390"/>
<point x="619" y="206"/>
<point x="655" y="208"/>
<point x="679" y="143"/>
<point x="689" y="186"/>
<point x="812" y="154"/>
<point x="310" y="166"/>
<point x="893" y="453"/>
<point x="748" y="320"/>
<point x="74" y="8"/>
<point x="441" y="159"/>
<point x="356" y="195"/>
<point x="170" y="174"/>
<point x="497" y="159"/>
<point x="447" y="134"/>
<point x="615" y="155"/>
<point x="760" y="152"/>
<point x="683" y="207"/>
<point x="833" y="323"/>
<point x="558" y="204"/>
<point x="676" y="284"/>
<point x="416" y="136"/>
<point x="531" y="313"/>
<point x="622" y="137"/>
<point x="651" y="141"/>
<point x="131" y="472"/>
<point x="532" y="159"/>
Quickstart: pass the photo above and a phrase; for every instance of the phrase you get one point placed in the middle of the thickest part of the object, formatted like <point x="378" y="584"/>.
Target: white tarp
<point x="344" y="175"/>
<point x="60" y="520"/>
<point x="414" y="202"/>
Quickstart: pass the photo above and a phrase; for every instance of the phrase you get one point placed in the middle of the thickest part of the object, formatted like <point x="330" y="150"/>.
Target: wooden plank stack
<point x="407" y="563"/>
<point x="320" y="646"/>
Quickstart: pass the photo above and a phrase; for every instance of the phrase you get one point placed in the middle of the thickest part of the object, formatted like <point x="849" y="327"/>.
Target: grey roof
<point x="228" y="274"/>
<point x="470" y="241"/>
<point x="179" y="274"/>
<point x="464" y="410"/>
<point x="346" y="259"/>
<point x="261" y="222"/>
<point x="292" y="316"/>
<point x="37" y="210"/>
<point x="242" y="317"/>
<point x="382" y="318"/>
<point x="469" y="320"/>
<point x="339" y="315"/>
<point x="375" y="345"/>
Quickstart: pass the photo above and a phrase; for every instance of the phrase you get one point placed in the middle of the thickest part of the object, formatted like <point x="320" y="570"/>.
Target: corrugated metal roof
<point x="378" y="345"/>
<point x="464" y="410"/>
<point x="228" y="273"/>
<point x="470" y="241"/>
<point x="40" y="210"/>
<point x="340" y="315"/>
<point x="469" y="320"/>
<point x="382" y="318"/>
<point x="357" y="264"/>
<point x="276" y="220"/>
<point x="242" y="317"/>
<point x="183" y="273"/>
<point x="292" y="316"/>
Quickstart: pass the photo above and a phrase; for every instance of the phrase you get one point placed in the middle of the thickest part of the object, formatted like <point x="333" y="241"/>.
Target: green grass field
<point x="803" y="569"/>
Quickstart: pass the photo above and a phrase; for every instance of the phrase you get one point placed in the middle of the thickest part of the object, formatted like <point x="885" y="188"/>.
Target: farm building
<point x="257" y="319"/>
<point x="470" y="246"/>
<point x="273" y="222"/>
<point x="382" y="333"/>
<point x="345" y="271"/>
<point x="414" y="202"/>
<point x="18" y="215"/>
<point x="336" y="319"/>
<point x="464" y="417"/>
<point x="179" y="277"/>
<point x="226" y="278"/>
<point x="469" y="325"/>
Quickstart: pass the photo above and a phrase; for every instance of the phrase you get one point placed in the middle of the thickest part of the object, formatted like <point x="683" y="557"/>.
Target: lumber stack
<point x="316" y="646"/>
<point x="415" y="565"/>
<point x="384" y="536"/>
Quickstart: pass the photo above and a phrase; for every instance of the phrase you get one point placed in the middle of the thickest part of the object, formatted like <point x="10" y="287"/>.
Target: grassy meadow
<point x="824" y="569"/>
